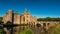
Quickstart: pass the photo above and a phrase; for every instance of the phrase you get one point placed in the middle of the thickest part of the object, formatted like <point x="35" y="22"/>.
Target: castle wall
<point x="19" y="19"/>
<point x="16" y="19"/>
<point x="27" y="18"/>
<point x="8" y="17"/>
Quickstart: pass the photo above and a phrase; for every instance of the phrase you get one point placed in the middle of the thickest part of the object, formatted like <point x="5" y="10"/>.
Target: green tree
<point x="48" y="19"/>
<point x="1" y="27"/>
<point x="56" y="30"/>
<point x="1" y="19"/>
<point x="2" y="31"/>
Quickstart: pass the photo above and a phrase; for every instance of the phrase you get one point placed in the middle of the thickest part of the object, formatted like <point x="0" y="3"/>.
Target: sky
<point x="39" y="8"/>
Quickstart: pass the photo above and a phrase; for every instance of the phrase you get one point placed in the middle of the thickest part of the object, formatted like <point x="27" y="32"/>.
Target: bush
<point x="2" y="31"/>
<point x="27" y="31"/>
<point x="56" y="30"/>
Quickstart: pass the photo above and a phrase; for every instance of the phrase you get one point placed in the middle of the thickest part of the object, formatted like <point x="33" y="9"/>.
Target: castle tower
<point x="35" y="20"/>
<point x="28" y="12"/>
<point x="25" y="11"/>
<point x="27" y="16"/>
<point x="10" y="12"/>
<point x="8" y="17"/>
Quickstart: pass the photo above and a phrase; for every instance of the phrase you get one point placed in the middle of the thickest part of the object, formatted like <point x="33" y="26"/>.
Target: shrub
<point x="2" y="31"/>
<point x="27" y="31"/>
<point x="56" y="30"/>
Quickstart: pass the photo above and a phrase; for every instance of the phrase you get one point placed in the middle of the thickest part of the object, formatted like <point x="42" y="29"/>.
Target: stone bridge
<point x="48" y="24"/>
<point x="43" y="24"/>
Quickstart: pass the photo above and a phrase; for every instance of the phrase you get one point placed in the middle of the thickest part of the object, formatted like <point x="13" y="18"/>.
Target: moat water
<point x="18" y="29"/>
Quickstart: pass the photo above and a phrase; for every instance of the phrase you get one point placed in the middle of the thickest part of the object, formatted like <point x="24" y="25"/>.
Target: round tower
<point x="10" y="11"/>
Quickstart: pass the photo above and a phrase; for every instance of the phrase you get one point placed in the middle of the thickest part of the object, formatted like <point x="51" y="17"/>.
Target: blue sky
<point x="39" y="8"/>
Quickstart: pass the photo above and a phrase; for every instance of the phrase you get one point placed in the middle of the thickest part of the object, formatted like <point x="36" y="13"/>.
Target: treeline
<point x="1" y="19"/>
<point x="48" y="19"/>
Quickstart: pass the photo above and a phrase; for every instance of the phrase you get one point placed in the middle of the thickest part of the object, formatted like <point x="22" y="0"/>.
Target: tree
<point x="1" y="27"/>
<point x="1" y="19"/>
<point x="56" y="30"/>
<point x="2" y="31"/>
<point x="48" y="19"/>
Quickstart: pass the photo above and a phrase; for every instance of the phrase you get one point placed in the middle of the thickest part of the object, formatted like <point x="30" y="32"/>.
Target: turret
<point x="10" y="11"/>
<point x="28" y="12"/>
<point x="25" y="11"/>
<point x="16" y="12"/>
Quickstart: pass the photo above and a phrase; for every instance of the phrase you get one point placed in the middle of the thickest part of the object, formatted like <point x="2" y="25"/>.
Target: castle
<point x="25" y="18"/>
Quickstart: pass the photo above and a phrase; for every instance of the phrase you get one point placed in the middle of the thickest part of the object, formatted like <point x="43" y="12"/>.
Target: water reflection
<point x="37" y="29"/>
<point x="19" y="29"/>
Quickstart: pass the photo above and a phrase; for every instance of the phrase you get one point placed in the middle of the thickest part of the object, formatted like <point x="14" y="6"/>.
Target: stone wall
<point x="8" y="17"/>
<point x="18" y="18"/>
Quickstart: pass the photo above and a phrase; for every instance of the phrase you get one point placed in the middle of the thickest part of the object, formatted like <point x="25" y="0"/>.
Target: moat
<point x="37" y="29"/>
